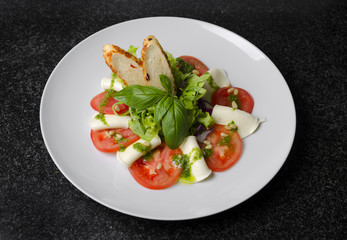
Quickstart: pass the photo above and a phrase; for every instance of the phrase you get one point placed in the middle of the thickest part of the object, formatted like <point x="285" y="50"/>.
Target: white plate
<point x="65" y="114"/>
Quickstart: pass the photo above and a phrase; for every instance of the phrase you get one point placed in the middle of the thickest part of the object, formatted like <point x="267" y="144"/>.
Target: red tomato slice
<point x="198" y="65"/>
<point x="224" y="155"/>
<point x="105" y="141"/>
<point x="146" y="172"/>
<point x="221" y="97"/>
<point x="107" y="109"/>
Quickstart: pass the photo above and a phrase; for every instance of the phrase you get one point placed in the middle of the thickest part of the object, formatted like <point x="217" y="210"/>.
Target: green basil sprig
<point x="139" y="97"/>
<point x="175" y="124"/>
<point x="169" y="110"/>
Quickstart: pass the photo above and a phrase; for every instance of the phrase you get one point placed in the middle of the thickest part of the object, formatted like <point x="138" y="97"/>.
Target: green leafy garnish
<point x="174" y="124"/>
<point x="165" y="81"/>
<point x="179" y="76"/>
<point x="162" y="107"/>
<point x="140" y="97"/>
<point x="132" y="50"/>
<point x="143" y="124"/>
<point x="191" y="93"/>
<point x="153" y="110"/>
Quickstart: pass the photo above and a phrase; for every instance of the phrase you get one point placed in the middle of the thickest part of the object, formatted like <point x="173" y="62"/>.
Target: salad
<point x="169" y="119"/>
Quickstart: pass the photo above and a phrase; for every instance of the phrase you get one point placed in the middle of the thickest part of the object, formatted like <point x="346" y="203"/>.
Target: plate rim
<point x="172" y="18"/>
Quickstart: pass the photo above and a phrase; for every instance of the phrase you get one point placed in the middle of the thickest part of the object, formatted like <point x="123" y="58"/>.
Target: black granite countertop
<point x="307" y="198"/>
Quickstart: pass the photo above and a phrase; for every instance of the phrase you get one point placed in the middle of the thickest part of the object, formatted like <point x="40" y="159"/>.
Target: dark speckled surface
<point x="306" y="199"/>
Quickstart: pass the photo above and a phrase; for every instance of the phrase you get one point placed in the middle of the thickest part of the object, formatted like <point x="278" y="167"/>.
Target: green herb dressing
<point x="207" y="152"/>
<point x="101" y="117"/>
<point x="122" y="148"/>
<point x="142" y="148"/>
<point x="234" y="98"/>
<point x="185" y="162"/>
<point x="148" y="156"/>
<point x="225" y="141"/>
<point x="108" y="94"/>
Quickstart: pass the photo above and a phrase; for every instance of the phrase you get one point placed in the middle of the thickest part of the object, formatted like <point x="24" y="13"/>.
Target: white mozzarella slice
<point x="106" y="84"/>
<point x="130" y="154"/>
<point x="220" y="78"/>
<point x="199" y="168"/>
<point x="112" y="120"/>
<point x="245" y="122"/>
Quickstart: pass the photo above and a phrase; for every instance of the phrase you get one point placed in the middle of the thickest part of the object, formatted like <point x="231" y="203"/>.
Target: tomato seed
<point x="236" y="92"/>
<point x="117" y="108"/>
<point x="207" y="142"/>
<point x="223" y="134"/>
<point x="159" y="166"/>
<point x="209" y="146"/>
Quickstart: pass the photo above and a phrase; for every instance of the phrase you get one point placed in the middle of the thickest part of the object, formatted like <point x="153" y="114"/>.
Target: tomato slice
<point x="225" y="150"/>
<point x="105" y="140"/>
<point x="198" y="65"/>
<point x="107" y="108"/>
<point x="244" y="99"/>
<point x="158" y="172"/>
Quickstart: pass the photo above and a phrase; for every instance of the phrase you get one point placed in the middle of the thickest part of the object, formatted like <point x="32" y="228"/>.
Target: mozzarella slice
<point x="112" y="120"/>
<point x="106" y="84"/>
<point x="220" y="78"/>
<point x="199" y="169"/>
<point x="130" y="154"/>
<point x="245" y="122"/>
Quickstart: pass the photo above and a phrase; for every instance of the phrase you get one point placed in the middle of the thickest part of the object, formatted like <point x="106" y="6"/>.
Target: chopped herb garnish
<point x="225" y="140"/>
<point x="142" y="148"/>
<point x="148" y="156"/>
<point x="207" y="152"/>
<point x="122" y="148"/>
<point x="122" y="140"/>
<point x="108" y="94"/>
<point x="101" y="117"/>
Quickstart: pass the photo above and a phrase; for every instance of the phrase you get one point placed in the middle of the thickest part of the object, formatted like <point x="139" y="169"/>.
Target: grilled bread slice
<point x="155" y="62"/>
<point x="124" y="64"/>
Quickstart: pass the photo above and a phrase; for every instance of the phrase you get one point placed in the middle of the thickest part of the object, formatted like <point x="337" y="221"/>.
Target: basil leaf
<point x="124" y="94"/>
<point x="162" y="107"/>
<point x="165" y="81"/>
<point x="139" y="97"/>
<point x="174" y="124"/>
